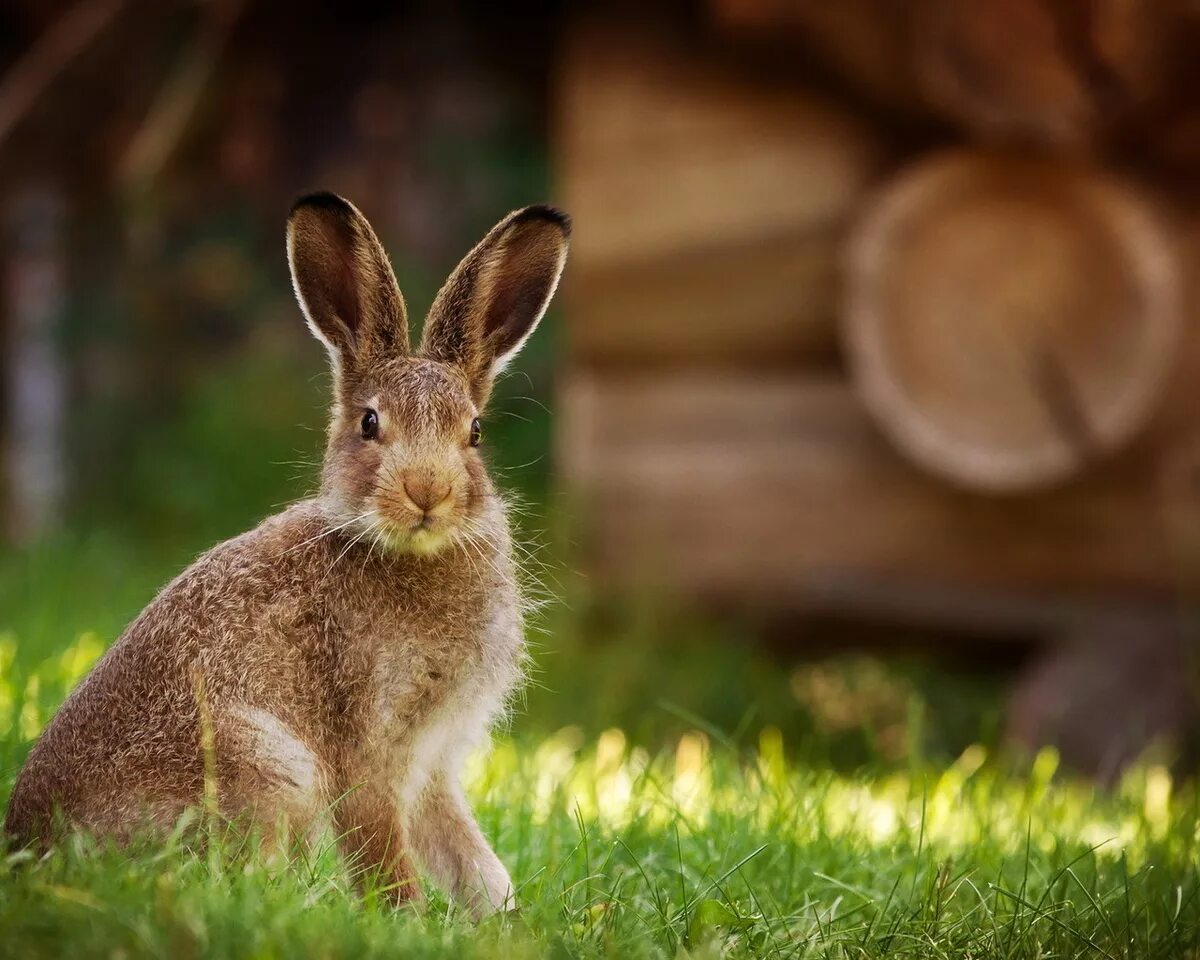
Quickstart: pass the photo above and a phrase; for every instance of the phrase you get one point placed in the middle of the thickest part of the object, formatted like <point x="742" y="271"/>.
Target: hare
<point x="338" y="661"/>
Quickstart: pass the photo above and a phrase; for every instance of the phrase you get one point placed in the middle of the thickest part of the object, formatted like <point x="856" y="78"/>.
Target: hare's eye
<point x="370" y="425"/>
<point x="476" y="432"/>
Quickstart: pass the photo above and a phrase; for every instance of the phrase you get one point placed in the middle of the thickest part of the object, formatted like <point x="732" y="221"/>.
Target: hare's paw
<point x="495" y="893"/>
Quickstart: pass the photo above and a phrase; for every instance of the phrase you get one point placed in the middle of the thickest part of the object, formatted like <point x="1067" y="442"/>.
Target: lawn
<point x="679" y="838"/>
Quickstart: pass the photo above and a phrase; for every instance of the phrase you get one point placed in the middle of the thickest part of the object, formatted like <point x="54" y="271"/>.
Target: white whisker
<point x="325" y="533"/>
<point x="347" y="549"/>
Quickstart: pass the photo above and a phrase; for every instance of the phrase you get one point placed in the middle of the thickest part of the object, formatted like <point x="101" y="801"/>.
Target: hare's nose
<point x="425" y="494"/>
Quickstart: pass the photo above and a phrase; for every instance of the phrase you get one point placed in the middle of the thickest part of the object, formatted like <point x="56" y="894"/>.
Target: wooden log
<point x="699" y="195"/>
<point x="773" y="490"/>
<point x="866" y="42"/>
<point x="1057" y="71"/>
<point x="1060" y="72"/>
<point x="1010" y="322"/>
<point x="761" y="303"/>
<point x="662" y="150"/>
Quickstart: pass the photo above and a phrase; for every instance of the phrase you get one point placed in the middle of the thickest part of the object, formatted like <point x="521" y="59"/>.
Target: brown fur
<point x="344" y="656"/>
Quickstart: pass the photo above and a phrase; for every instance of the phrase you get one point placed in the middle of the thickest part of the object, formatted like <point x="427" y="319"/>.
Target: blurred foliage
<point x="657" y="675"/>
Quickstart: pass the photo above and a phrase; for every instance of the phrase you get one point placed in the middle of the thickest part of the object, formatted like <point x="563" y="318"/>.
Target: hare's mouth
<point x="424" y="540"/>
<point x="426" y="536"/>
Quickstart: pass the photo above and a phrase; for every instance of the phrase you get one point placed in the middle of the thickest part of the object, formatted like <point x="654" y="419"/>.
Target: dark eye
<point x="476" y="432"/>
<point x="370" y="425"/>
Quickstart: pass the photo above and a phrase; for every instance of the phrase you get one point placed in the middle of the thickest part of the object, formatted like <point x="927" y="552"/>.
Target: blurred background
<point x="867" y="410"/>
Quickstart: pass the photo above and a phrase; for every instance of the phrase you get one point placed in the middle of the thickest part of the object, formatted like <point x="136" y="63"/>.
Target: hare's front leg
<point x="448" y="841"/>
<point x="372" y="838"/>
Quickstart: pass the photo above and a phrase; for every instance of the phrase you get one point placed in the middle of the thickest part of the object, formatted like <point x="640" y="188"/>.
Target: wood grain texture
<point x="763" y="303"/>
<point x="709" y="208"/>
<point x="1008" y="320"/>
<point x="778" y="490"/>
<point x="1055" y="71"/>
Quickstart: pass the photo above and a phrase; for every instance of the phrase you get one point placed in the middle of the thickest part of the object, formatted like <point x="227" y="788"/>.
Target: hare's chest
<point x="440" y="703"/>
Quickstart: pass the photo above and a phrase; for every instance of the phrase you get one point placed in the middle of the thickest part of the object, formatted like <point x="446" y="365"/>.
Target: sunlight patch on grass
<point x="698" y="849"/>
<point x="24" y="699"/>
<point x="969" y="803"/>
<point x="694" y="851"/>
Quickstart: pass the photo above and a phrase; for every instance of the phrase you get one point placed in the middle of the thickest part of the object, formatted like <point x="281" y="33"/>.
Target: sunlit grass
<point x="695" y="849"/>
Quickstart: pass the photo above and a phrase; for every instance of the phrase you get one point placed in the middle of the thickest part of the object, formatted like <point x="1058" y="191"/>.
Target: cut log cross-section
<point x="1010" y="321"/>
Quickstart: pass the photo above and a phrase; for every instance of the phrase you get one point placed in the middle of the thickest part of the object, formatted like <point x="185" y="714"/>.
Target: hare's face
<point x="403" y="458"/>
<point x="401" y="464"/>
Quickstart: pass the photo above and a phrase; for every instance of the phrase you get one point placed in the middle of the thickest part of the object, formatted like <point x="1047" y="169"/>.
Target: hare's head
<point x="401" y="458"/>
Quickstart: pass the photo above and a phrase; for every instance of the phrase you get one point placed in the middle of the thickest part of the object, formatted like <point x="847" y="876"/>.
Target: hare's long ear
<point x="496" y="296"/>
<point x="344" y="282"/>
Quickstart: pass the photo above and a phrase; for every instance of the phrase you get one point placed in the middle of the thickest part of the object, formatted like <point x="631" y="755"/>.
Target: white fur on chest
<point x="422" y="740"/>
<point x="460" y="725"/>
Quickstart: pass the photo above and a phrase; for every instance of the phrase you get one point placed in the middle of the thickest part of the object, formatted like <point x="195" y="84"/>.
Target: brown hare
<point x="337" y="662"/>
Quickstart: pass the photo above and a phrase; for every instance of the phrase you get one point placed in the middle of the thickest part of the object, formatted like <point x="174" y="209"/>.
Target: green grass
<point x="702" y="843"/>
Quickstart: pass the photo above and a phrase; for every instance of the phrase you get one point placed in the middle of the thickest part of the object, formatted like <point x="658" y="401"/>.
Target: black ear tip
<point x="321" y="200"/>
<point x="545" y="213"/>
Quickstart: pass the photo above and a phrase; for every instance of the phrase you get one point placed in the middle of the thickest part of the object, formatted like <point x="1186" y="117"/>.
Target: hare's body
<point x="277" y="645"/>
<point x="338" y="662"/>
<point x="324" y="671"/>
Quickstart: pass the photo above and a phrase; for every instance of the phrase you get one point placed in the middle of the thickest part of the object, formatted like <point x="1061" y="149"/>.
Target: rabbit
<point x="341" y="659"/>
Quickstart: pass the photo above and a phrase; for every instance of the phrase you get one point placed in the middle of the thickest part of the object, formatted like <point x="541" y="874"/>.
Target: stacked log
<point x="1010" y="321"/>
<point x="1057" y="71"/>
<point x="795" y="381"/>
<point x="1060" y="72"/>
<point x="776" y="489"/>
<point x="865" y="41"/>
<point x="710" y="209"/>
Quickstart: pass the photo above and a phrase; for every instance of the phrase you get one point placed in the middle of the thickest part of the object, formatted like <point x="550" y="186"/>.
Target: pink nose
<point x="425" y="494"/>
